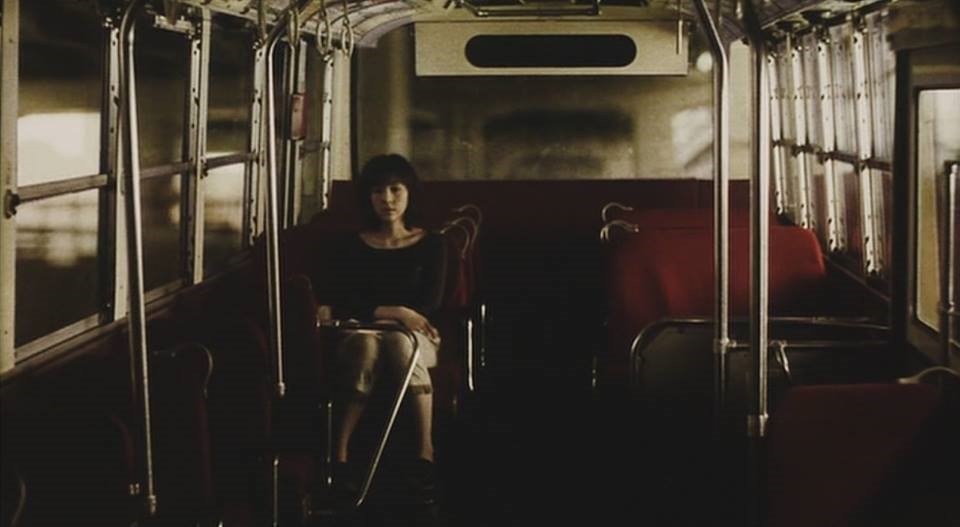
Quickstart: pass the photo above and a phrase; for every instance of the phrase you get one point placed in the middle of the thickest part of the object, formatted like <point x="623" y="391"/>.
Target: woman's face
<point x="390" y="201"/>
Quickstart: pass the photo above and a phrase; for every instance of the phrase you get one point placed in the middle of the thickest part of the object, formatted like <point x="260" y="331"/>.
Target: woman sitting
<point x="391" y="270"/>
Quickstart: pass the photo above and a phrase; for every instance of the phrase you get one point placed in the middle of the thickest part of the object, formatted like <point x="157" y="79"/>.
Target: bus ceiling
<point x="580" y="37"/>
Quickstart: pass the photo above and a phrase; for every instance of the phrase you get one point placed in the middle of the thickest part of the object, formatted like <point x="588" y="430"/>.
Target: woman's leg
<point x="358" y="353"/>
<point x="398" y="350"/>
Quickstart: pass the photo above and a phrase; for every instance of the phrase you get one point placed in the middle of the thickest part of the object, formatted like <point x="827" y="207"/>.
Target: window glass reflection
<point x="223" y="217"/>
<point x="56" y="273"/>
<point x="230" y="89"/>
<point x="163" y="76"/>
<point x="161" y="230"/>
<point x="60" y="91"/>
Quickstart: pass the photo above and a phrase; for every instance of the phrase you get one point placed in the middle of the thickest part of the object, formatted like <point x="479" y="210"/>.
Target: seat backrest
<point x="181" y="427"/>
<point x="833" y="449"/>
<point x="240" y="408"/>
<point x="76" y="461"/>
<point x="660" y="273"/>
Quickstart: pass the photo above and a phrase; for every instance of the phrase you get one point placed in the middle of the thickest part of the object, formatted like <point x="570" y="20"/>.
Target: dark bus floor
<point x="533" y="445"/>
<point x="519" y="459"/>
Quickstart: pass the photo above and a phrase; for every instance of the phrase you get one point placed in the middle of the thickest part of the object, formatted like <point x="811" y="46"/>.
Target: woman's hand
<point x="410" y="318"/>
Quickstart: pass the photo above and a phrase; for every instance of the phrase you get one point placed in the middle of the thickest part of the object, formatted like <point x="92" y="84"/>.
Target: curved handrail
<point x="471" y="208"/>
<point x="21" y="503"/>
<point x="464" y="251"/>
<point x="626" y="225"/>
<point x="642" y="337"/>
<point x="136" y="318"/>
<point x="474" y="228"/>
<point x="917" y="378"/>
<point x="376" y="328"/>
<point x="613" y="205"/>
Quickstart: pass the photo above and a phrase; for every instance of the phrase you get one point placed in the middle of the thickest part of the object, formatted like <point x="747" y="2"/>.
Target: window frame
<point x="111" y="246"/>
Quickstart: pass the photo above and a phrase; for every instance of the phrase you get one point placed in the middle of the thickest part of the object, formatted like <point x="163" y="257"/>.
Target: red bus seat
<point x="662" y="272"/>
<point x="835" y="451"/>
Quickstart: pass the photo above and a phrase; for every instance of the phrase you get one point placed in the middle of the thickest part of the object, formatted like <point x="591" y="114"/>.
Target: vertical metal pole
<point x="272" y="225"/>
<point x="721" y="206"/>
<point x="286" y="141"/>
<point x="112" y="211"/>
<point x="328" y="444"/>
<point x="9" y="93"/>
<point x="759" y="261"/>
<point x="137" y="315"/>
<point x="254" y="170"/>
<point x="470" y="341"/>
<point x="948" y="241"/>
<point x="196" y="146"/>
<point x="759" y="242"/>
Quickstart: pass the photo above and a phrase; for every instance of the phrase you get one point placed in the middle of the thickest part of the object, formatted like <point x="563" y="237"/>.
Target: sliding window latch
<point x="11" y="200"/>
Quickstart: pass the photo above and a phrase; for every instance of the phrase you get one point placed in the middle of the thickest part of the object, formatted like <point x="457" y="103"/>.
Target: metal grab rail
<point x="947" y="237"/>
<point x="643" y="337"/>
<point x="613" y="205"/>
<point x="377" y="328"/>
<point x="475" y="210"/>
<point x="625" y="225"/>
<point x="472" y="228"/>
<point x="136" y="318"/>
<point x="447" y="227"/>
<point x="916" y="379"/>
<point x="721" y="202"/>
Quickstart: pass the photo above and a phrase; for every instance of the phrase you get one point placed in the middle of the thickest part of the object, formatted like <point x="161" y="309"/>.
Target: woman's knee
<point x="397" y="346"/>
<point x="359" y="348"/>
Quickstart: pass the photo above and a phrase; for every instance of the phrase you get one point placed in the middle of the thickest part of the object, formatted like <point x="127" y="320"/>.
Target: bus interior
<point x="702" y="260"/>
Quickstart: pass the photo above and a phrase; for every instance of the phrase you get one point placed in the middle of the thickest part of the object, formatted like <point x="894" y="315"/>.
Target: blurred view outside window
<point x="938" y="148"/>
<point x="58" y="137"/>
<point x="223" y="217"/>
<point x="541" y="127"/>
<point x="230" y="88"/>
<point x="160" y="197"/>
<point x="57" y="264"/>
<point x="228" y="132"/>
<point x="162" y="61"/>
<point x="163" y="80"/>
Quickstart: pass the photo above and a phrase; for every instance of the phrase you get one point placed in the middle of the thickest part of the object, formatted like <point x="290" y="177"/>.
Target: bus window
<point x="938" y="148"/>
<point x="844" y="91"/>
<point x="57" y="265"/>
<point x="162" y="80"/>
<point x="58" y="139"/>
<point x="223" y="217"/>
<point x="161" y="59"/>
<point x="230" y="88"/>
<point x="883" y="81"/>
<point x="58" y="126"/>
<point x="853" y="205"/>
<point x="160" y="197"/>
<point x="311" y="187"/>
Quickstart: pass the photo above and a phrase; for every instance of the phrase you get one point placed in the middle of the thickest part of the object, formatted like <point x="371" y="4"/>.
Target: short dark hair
<point x="380" y="171"/>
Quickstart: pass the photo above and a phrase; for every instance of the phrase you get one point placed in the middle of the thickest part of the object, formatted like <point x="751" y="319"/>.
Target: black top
<point x="364" y="277"/>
